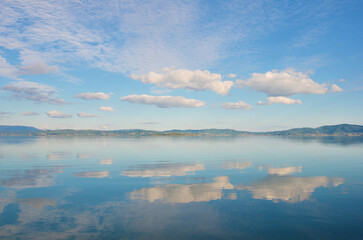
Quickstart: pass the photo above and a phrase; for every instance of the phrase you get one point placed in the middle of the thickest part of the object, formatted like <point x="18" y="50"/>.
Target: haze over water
<point x="181" y="188"/>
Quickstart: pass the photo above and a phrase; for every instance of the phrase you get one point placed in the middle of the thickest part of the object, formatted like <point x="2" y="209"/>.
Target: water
<point x="181" y="188"/>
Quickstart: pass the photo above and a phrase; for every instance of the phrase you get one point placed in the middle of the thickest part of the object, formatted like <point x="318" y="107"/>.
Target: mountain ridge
<point x="326" y="130"/>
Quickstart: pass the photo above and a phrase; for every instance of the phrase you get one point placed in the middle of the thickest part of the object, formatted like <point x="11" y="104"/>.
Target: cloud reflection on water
<point x="289" y="188"/>
<point x="33" y="178"/>
<point x="163" y="170"/>
<point x="98" y="174"/>
<point x="283" y="171"/>
<point x="184" y="193"/>
<point x="237" y="165"/>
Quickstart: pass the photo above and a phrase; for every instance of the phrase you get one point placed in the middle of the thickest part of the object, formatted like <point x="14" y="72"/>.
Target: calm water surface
<point x="181" y="188"/>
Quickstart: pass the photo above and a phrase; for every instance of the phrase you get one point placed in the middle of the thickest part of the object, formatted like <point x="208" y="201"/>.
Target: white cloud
<point x="279" y="100"/>
<point x="93" y="96"/>
<point x="39" y="93"/>
<point x="37" y="68"/>
<point x="56" y="114"/>
<point x="284" y="83"/>
<point x="187" y="79"/>
<point x="106" y="108"/>
<point x="86" y="115"/>
<point x="29" y="113"/>
<point x="237" y="105"/>
<point x="335" y="88"/>
<point x="163" y="101"/>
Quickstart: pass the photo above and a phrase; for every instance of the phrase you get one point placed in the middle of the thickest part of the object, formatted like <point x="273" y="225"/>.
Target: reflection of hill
<point x="163" y="170"/>
<point x="289" y="188"/>
<point x="184" y="193"/>
<point x="329" y="140"/>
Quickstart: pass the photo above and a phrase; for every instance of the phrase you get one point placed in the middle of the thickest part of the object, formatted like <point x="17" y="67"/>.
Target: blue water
<point x="181" y="188"/>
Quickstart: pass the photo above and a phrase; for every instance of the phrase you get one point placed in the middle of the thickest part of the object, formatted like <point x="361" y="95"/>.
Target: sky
<point x="160" y="65"/>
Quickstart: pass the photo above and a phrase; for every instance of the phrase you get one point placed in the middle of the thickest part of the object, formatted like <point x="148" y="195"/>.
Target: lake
<point x="181" y="188"/>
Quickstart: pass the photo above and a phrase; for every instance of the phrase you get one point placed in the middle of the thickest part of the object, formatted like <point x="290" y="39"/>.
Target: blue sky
<point x="246" y="65"/>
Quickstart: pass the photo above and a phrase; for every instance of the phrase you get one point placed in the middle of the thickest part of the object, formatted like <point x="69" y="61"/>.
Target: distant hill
<point x="333" y="130"/>
<point x="9" y="128"/>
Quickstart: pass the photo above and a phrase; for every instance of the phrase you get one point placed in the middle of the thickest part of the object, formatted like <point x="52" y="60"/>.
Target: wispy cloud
<point x="335" y="88"/>
<point x="187" y="79"/>
<point x="93" y="96"/>
<point x="56" y="114"/>
<point x="29" y="113"/>
<point x="241" y="105"/>
<point x="86" y="115"/>
<point x="279" y="100"/>
<point x="163" y="101"/>
<point x="148" y="123"/>
<point x="37" y="68"/>
<point x="143" y="36"/>
<point x="39" y="93"/>
<point x="4" y="114"/>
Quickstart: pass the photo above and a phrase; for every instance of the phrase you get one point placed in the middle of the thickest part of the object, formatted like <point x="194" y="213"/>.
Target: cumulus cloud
<point x="39" y="93"/>
<point x="279" y="100"/>
<point x="106" y="108"/>
<point x="37" y="68"/>
<point x="29" y="113"/>
<point x="237" y="105"/>
<point x="284" y="83"/>
<point x="335" y="88"/>
<point x="93" y="96"/>
<point x="163" y="101"/>
<point x="86" y="115"/>
<point x="56" y="114"/>
<point x="187" y="79"/>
